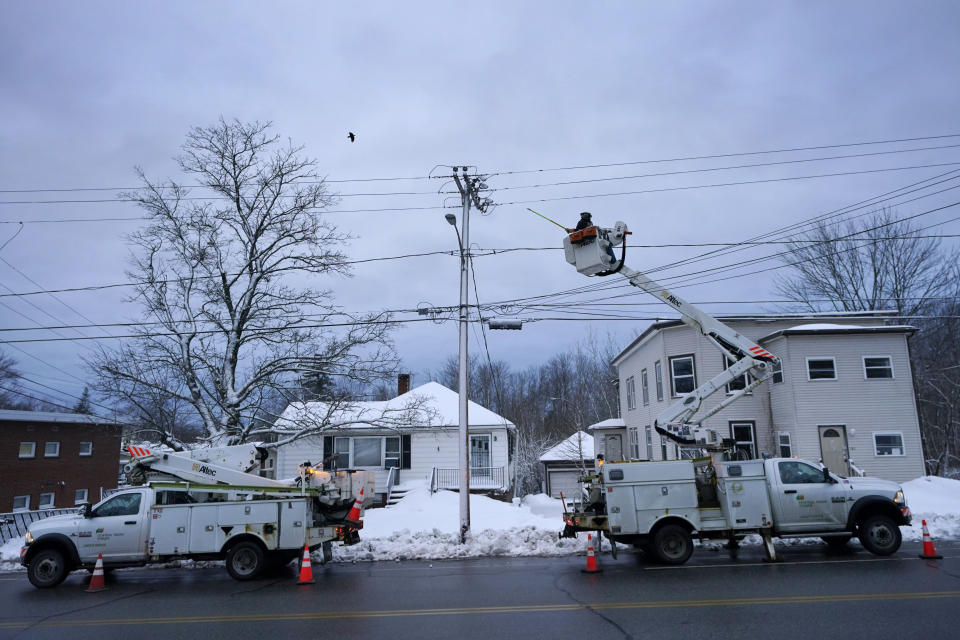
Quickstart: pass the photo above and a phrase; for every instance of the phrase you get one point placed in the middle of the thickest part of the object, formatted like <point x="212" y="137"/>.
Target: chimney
<point x="403" y="383"/>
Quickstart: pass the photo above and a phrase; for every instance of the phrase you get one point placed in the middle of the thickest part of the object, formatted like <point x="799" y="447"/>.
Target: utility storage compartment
<point x="743" y="494"/>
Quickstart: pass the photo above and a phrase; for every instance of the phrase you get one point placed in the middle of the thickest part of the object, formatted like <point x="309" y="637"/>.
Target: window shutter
<point x="405" y="451"/>
<point x="327" y="448"/>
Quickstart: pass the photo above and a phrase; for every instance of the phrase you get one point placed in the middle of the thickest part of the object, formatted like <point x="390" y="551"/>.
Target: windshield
<point x="793" y="472"/>
<point x="125" y="504"/>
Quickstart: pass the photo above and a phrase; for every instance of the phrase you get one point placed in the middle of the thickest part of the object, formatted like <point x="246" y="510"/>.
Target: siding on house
<point x="795" y="406"/>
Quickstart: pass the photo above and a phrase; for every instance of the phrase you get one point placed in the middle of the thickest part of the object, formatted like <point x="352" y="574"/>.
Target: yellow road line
<point x="545" y="608"/>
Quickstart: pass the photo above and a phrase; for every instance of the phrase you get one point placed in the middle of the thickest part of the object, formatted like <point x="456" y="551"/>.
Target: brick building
<point x="55" y="460"/>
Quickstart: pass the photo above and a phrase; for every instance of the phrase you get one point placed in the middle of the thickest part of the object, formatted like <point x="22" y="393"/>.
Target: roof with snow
<point x="666" y="323"/>
<point x="577" y="445"/>
<point x="12" y="415"/>
<point x="610" y="423"/>
<point x="836" y="329"/>
<point x="438" y="407"/>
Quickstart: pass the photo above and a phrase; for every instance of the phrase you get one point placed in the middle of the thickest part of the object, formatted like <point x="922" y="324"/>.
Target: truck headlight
<point x="28" y="539"/>
<point x="899" y="497"/>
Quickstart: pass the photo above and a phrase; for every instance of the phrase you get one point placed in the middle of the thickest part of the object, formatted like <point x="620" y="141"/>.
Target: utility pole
<point x="467" y="185"/>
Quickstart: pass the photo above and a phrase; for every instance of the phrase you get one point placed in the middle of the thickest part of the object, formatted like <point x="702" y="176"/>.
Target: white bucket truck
<point x="661" y="505"/>
<point x="202" y="505"/>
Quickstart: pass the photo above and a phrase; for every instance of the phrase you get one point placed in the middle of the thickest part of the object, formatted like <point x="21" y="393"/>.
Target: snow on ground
<point x="425" y="526"/>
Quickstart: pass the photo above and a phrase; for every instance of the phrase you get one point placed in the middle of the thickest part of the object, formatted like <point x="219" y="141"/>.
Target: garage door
<point x="565" y="481"/>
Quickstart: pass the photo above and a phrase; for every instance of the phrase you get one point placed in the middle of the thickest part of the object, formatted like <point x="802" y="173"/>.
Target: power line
<point x="730" y="184"/>
<point x="727" y="168"/>
<point x="723" y="155"/>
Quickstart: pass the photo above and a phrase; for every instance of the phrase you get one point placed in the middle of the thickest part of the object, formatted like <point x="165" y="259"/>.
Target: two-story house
<point x="843" y="392"/>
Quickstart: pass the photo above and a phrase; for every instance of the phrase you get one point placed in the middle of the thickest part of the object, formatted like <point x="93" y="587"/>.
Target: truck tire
<point x="48" y="568"/>
<point x="672" y="544"/>
<point x="880" y="535"/>
<point x="245" y="560"/>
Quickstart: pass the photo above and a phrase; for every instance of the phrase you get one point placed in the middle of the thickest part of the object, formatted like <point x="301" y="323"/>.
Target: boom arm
<point x="591" y="251"/>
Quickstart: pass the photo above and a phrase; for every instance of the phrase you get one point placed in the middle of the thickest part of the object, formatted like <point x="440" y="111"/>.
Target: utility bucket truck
<point x="661" y="506"/>
<point x="205" y="504"/>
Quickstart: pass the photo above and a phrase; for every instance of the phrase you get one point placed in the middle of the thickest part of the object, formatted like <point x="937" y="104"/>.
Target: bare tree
<point x="216" y="275"/>
<point x="879" y="262"/>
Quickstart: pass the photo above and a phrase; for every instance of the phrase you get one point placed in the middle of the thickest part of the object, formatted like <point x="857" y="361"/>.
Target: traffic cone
<point x="306" y="571"/>
<point x="354" y="516"/>
<point x="929" y="553"/>
<point x="96" y="580"/>
<point x="591" y="558"/>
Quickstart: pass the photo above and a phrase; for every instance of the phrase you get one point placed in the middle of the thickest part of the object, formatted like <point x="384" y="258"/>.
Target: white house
<point x="843" y="394"/>
<point x="564" y="463"/>
<point x="424" y="452"/>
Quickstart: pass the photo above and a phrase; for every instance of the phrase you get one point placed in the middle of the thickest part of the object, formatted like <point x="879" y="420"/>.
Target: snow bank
<point x="936" y="500"/>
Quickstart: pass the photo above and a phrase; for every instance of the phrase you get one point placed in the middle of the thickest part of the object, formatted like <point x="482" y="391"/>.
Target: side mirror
<point x="826" y="476"/>
<point x="86" y="509"/>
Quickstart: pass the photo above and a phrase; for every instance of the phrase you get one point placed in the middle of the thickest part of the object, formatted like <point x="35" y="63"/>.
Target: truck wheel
<point x="672" y="544"/>
<point x="880" y="535"/>
<point x="245" y="560"/>
<point x="47" y="569"/>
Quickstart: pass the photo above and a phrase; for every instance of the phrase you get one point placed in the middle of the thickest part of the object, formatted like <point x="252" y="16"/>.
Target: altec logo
<point x="202" y="468"/>
<point x="669" y="298"/>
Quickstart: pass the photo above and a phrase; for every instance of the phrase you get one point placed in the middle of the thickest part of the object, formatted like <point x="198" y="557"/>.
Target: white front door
<point x="480" y="461"/>
<point x="613" y="447"/>
<point x="833" y="449"/>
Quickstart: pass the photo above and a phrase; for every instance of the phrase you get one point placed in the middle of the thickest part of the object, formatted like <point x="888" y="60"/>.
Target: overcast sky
<point x="89" y="90"/>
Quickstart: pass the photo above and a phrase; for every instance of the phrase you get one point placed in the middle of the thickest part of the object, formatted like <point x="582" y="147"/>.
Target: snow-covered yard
<point x="425" y="526"/>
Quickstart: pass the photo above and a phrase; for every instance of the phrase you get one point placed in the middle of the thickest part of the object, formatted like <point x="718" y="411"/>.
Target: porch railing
<point x="391" y="481"/>
<point x="480" y="478"/>
<point x="857" y="471"/>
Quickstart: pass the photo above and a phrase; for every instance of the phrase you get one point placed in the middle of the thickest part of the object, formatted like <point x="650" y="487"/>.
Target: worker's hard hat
<point x="584" y="214"/>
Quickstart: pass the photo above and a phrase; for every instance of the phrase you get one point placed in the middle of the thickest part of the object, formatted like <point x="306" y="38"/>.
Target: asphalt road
<point x="814" y="594"/>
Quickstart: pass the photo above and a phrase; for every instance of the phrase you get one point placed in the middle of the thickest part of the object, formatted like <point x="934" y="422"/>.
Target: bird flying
<point x="351" y="136"/>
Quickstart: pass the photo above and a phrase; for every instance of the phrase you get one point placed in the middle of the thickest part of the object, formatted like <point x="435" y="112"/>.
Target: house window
<point x="80" y="496"/>
<point x="634" y="443"/>
<point x="682" y="377"/>
<point x="658" y="374"/>
<point x="784" y="446"/>
<point x="86" y="448"/>
<point x="46" y="501"/>
<point x="821" y="369"/>
<point x="51" y="450"/>
<point x="341" y="452"/>
<point x="21" y="503"/>
<point x="28" y="449"/>
<point x="631" y="394"/>
<point x="391" y="452"/>
<point x="649" y="443"/>
<point x="888" y="443"/>
<point x="743" y="435"/>
<point x="777" y="371"/>
<point x="645" y="387"/>
<point x="366" y="452"/>
<point x="877" y="367"/>
<point x="738" y="383"/>
<point x="663" y="448"/>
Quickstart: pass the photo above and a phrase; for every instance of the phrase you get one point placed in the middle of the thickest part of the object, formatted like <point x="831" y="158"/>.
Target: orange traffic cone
<point x="96" y="580"/>
<point x="591" y="558"/>
<point x="306" y="571"/>
<point x="354" y="516"/>
<point x="929" y="553"/>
